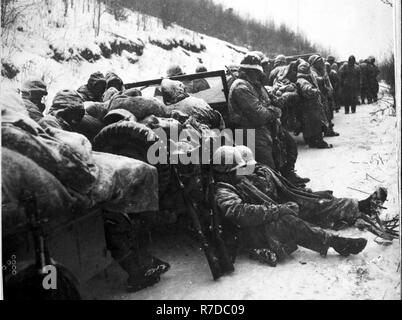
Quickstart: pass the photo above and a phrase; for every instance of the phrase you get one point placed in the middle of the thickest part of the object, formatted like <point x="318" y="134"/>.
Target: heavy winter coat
<point x="250" y="108"/>
<point x="267" y="221"/>
<point x="321" y="78"/>
<point x="349" y="80"/>
<point x="33" y="110"/>
<point x="314" y="117"/>
<point x="94" y="89"/>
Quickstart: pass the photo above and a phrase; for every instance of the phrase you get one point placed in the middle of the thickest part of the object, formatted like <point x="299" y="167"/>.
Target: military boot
<point x="264" y="255"/>
<point x="319" y="143"/>
<point x="290" y="174"/>
<point x="347" y="246"/>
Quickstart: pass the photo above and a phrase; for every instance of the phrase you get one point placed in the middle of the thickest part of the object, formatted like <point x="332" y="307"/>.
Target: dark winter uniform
<point x="114" y="81"/>
<point x="326" y="90"/>
<point x="313" y="113"/>
<point x="349" y="78"/>
<point x="261" y="207"/>
<point x="285" y="96"/>
<point x="279" y="67"/>
<point x="364" y="81"/>
<point x="94" y="89"/>
<point x="334" y="78"/>
<point x="373" y="86"/>
<point x="250" y="108"/>
<point x="33" y="110"/>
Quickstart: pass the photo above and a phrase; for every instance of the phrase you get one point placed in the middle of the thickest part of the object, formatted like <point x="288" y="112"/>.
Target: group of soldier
<point x="267" y="212"/>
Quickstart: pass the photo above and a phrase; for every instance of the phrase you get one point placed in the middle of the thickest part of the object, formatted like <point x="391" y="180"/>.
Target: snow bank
<point x="59" y="44"/>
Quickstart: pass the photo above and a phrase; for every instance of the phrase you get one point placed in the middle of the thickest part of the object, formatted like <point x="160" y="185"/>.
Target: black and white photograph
<point x="172" y="150"/>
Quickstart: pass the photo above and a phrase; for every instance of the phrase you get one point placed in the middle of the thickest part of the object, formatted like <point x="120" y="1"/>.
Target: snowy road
<point x="364" y="156"/>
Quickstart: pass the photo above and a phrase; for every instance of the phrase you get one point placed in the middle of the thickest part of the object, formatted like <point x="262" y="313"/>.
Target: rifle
<point x="42" y="256"/>
<point x="225" y="260"/>
<point x="213" y="261"/>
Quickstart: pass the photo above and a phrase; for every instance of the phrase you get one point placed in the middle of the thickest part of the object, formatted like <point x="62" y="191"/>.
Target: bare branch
<point x="387" y="2"/>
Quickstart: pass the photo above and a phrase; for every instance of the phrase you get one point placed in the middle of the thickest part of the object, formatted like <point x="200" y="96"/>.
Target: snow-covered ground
<point x="44" y="24"/>
<point x="364" y="156"/>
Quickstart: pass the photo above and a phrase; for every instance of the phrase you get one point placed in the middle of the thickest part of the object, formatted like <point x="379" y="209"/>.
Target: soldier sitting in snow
<point x="271" y="217"/>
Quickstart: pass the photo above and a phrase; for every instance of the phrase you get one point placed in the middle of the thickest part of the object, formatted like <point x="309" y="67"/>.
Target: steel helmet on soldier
<point x="227" y="159"/>
<point x="280" y="60"/>
<point x="331" y="59"/>
<point x="247" y="155"/>
<point x="174" y="70"/>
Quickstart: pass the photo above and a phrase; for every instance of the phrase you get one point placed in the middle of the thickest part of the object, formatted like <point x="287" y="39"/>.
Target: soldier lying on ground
<point x="270" y="217"/>
<point x="126" y="189"/>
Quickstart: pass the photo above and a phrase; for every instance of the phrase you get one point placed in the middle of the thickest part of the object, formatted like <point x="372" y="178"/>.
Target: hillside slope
<point x="61" y="47"/>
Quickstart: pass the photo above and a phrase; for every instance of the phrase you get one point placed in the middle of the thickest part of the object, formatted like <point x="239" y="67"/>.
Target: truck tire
<point x="131" y="139"/>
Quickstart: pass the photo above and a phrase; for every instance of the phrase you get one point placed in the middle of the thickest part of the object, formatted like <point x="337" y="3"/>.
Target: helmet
<point x="331" y="59"/>
<point x="174" y="70"/>
<point x="246" y="154"/>
<point x="314" y="58"/>
<point x="280" y="60"/>
<point x="201" y="68"/>
<point x="248" y="157"/>
<point x="227" y="159"/>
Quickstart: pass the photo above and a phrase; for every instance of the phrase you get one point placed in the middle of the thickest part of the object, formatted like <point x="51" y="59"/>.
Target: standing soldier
<point x="250" y="108"/>
<point x="326" y="91"/>
<point x="349" y="75"/>
<point x="364" y="66"/>
<point x="373" y="82"/>
<point x="279" y="65"/>
<point x="334" y="77"/>
<point x="313" y="113"/>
